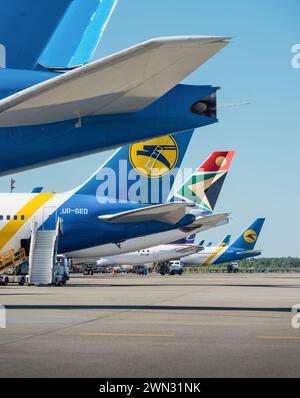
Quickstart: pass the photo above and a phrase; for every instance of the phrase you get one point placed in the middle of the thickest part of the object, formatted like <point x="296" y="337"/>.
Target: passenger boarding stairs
<point x="43" y="254"/>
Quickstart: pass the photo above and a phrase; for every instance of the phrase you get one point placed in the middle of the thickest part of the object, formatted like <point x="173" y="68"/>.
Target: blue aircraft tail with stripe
<point x="248" y="239"/>
<point x="225" y="241"/>
<point x="57" y="34"/>
<point x="140" y="173"/>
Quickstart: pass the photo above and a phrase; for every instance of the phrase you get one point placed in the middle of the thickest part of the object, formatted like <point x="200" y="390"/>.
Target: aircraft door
<point x="155" y="254"/>
<point x="49" y="217"/>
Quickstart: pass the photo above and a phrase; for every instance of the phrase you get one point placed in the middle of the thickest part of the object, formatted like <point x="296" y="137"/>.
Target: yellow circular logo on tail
<point x="154" y="158"/>
<point x="250" y="236"/>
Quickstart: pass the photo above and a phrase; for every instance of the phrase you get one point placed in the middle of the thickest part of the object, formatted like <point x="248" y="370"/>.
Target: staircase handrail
<point x="32" y="244"/>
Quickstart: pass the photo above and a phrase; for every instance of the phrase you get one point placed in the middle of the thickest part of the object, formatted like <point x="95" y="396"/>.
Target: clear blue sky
<point x="255" y="68"/>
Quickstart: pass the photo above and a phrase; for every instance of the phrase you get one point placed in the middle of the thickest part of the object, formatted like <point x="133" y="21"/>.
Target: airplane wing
<point x="207" y="222"/>
<point x="127" y="81"/>
<point x="169" y="213"/>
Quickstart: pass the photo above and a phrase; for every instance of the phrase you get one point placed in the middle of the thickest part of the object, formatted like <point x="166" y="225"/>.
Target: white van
<point x="175" y="267"/>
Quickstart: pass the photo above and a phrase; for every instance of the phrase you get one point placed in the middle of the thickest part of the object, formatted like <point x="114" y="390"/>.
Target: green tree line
<point x="288" y="264"/>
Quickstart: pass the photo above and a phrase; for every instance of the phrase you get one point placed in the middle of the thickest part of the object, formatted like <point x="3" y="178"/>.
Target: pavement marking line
<point x="127" y="334"/>
<point x="278" y="337"/>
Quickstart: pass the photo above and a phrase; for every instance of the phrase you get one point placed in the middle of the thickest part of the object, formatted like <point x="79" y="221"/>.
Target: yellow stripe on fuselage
<point x="212" y="256"/>
<point x="13" y="226"/>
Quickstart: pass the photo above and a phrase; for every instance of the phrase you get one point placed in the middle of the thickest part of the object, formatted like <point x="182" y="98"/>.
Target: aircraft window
<point x="8" y="217"/>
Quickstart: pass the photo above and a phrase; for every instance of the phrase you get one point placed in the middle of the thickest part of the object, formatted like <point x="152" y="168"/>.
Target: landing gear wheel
<point x="5" y="282"/>
<point x="22" y="281"/>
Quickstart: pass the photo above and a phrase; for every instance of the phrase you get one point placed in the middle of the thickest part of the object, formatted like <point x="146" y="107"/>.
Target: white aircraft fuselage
<point x="157" y="254"/>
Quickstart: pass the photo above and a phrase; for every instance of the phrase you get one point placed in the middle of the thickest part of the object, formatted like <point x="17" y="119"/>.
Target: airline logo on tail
<point x="202" y="186"/>
<point x="221" y="161"/>
<point x="154" y="158"/>
<point x="250" y="236"/>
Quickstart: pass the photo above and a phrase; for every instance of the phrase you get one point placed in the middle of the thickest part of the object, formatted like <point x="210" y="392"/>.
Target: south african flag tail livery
<point x="204" y="186"/>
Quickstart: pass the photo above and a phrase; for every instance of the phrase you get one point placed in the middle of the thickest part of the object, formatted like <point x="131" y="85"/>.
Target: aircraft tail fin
<point x="83" y="25"/>
<point x="58" y="34"/>
<point x="142" y="173"/>
<point x="188" y="240"/>
<point x="204" y="186"/>
<point x="37" y="189"/>
<point x="225" y="241"/>
<point x="26" y="27"/>
<point x="248" y="239"/>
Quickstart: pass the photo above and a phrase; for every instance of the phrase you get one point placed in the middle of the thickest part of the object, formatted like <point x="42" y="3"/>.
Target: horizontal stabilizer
<point x="189" y="249"/>
<point x="170" y="213"/>
<point x="127" y="81"/>
<point x="250" y="253"/>
<point x="207" y="222"/>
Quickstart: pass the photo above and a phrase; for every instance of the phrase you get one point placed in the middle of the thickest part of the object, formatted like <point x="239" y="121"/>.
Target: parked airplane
<point x="113" y="205"/>
<point x="100" y="218"/>
<point x="55" y="104"/>
<point x="203" y="188"/>
<point x="157" y="254"/>
<point x="241" y="249"/>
